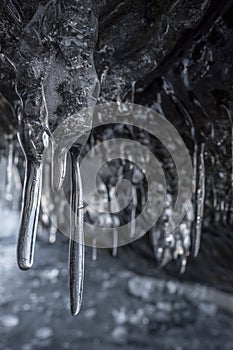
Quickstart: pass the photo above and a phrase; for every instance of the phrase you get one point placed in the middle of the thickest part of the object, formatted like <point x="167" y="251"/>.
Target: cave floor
<point x="120" y="308"/>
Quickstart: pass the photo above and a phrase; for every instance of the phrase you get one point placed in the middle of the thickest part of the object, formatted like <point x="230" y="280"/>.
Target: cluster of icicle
<point x="53" y="79"/>
<point x="42" y="199"/>
<point x="75" y="69"/>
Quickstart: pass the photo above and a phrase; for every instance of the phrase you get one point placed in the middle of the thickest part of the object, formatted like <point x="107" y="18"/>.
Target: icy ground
<point x="121" y="310"/>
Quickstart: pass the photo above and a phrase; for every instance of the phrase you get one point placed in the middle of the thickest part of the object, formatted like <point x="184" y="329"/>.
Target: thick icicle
<point x="77" y="248"/>
<point x="133" y="212"/>
<point x="33" y="130"/>
<point x="29" y="216"/>
<point x="200" y="200"/>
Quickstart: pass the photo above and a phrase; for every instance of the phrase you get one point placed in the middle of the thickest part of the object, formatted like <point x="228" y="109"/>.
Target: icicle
<point x="157" y="237"/>
<point x="133" y="212"/>
<point x="195" y="168"/>
<point x="103" y="77"/>
<point x="14" y="11"/>
<point x="34" y="142"/>
<point x="17" y="185"/>
<point x="3" y="172"/>
<point x="183" y="264"/>
<point x="198" y="173"/>
<point x="200" y="201"/>
<point x="29" y="215"/>
<point x="49" y="216"/>
<point x="33" y="137"/>
<point x="9" y="173"/>
<point x="59" y="167"/>
<point x="77" y="248"/>
<point x="183" y="240"/>
<point x="193" y="134"/>
<point x="133" y="85"/>
<point x="161" y="242"/>
<point x="113" y="221"/>
<point x="157" y="106"/>
<point x="231" y="121"/>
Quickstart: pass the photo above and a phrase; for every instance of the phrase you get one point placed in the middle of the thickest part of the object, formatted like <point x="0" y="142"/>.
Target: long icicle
<point x="9" y="172"/>
<point x="32" y="131"/>
<point x="200" y="200"/>
<point x="228" y="113"/>
<point x="77" y="248"/>
<point x="133" y="212"/>
<point x="29" y="215"/>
